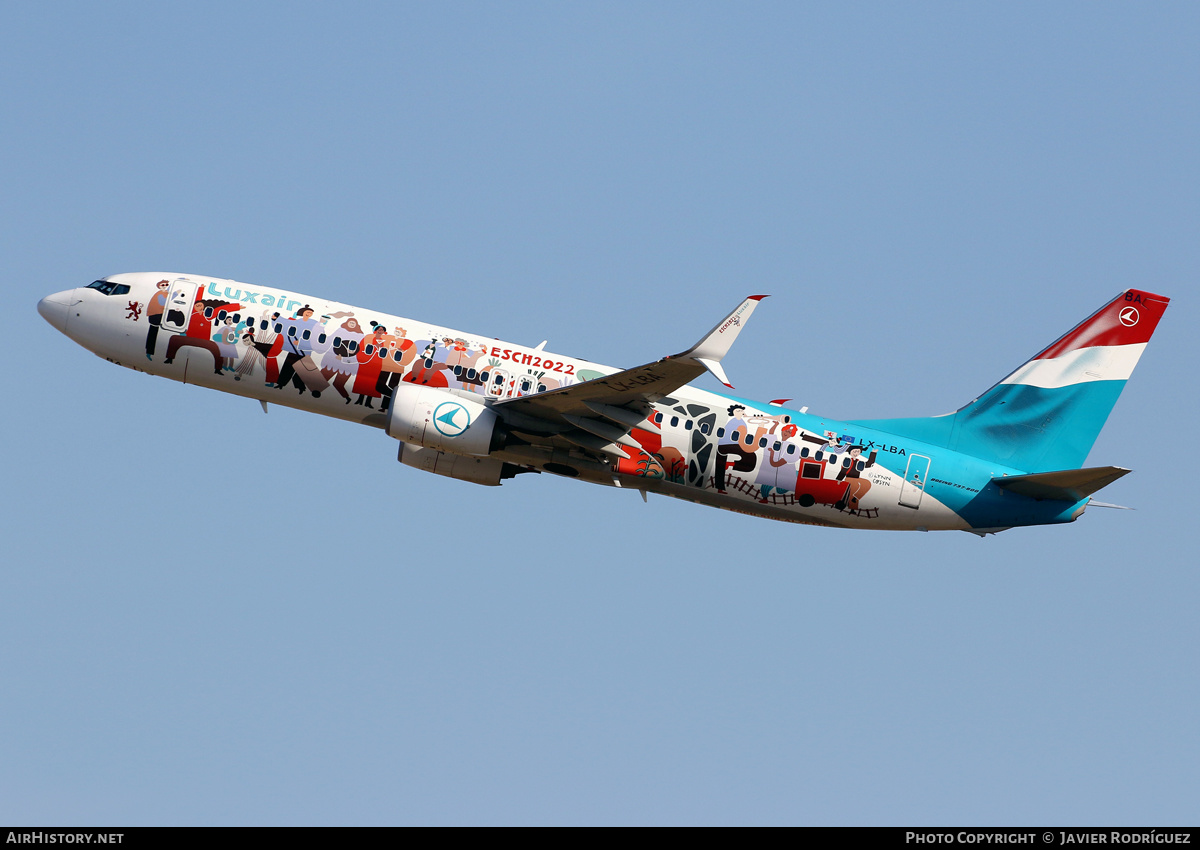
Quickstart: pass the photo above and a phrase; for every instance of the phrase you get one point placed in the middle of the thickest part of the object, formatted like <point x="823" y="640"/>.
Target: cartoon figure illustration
<point x="459" y="354"/>
<point x="370" y="365"/>
<point x="298" y="366"/>
<point x="341" y="359"/>
<point x="226" y="338"/>
<point x="731" y="445"/>
<point x="833" y="443"/>
<point x="396" y="352"/>
<point x="852" y="474"/>
<point x="250" y="358"/>
<point x="777" y="471"/>
<point x="154" y="314"/>
<point x="268" y="343"/>
<point x="198" y="335"/>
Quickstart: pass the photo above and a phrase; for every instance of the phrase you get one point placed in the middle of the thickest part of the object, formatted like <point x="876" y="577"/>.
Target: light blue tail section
<point x="1035" y="429"/>
<point x="1047" y="414"/>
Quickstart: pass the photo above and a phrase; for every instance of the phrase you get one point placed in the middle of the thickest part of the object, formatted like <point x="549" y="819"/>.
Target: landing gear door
<point x="915" y="478"/>
<point x="180" y="298"/>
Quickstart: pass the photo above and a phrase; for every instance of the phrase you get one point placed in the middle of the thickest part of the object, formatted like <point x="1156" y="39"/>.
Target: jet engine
<point x="438" y="419"/>
<point x="478" y="470"/>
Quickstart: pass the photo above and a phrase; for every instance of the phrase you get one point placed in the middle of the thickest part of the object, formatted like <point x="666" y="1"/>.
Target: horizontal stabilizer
<point x="1067" y="485"/>
<point x="1092" y="503"/>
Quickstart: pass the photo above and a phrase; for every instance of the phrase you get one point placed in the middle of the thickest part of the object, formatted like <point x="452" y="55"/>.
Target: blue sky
<point x="216" y="617"/>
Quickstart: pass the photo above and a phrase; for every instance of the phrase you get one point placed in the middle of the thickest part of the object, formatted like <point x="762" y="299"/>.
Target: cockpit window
<point x="109" y="288"/>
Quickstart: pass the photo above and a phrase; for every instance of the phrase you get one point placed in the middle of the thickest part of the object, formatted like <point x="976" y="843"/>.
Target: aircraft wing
<point x="599" y="414"/>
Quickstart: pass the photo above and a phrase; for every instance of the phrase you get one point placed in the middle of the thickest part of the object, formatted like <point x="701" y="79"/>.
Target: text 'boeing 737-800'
<point x="481" y="410"/>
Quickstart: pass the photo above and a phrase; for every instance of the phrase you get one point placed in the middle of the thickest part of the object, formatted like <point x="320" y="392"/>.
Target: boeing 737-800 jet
<point x="480" y="410"/>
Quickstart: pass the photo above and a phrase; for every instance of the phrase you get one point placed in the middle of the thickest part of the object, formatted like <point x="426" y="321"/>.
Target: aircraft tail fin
<point x="1047" y="414"/>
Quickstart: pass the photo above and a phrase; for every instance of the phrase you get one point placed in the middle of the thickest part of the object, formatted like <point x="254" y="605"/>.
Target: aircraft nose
<point x="54" y="309"/>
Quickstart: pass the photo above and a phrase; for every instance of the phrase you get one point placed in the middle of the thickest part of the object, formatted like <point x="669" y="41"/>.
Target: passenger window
<point x="674" y="421"/>
<point x="397" y="355"/>
<point x="221" y="316"/>
<point x="307" y="334"/>
<point x="736" y="436"/>
<point x="472" y="374"/>
<point x="321" y="339"/>
<point x="352" y="345"/>
<point x="778" y="445"/>
<point x="369" y="350"/>
<point x="818" y="456"/>
<point x="279" y="327"/>
<point x="498" y="380"/>
<point x="483" y="376"/>
<point x="720" y="432"/>
<point x="762" y="442"/>
<point x="705" y="428"/>
<point x="687" y="425"/>
<point x="846" y="462"/>
<point x="208" y="312"/>
<point x="791" y="449"/>
<point x="804" y="452"/>
<point x="292" y="331"/>
<point x="658" y="418"/>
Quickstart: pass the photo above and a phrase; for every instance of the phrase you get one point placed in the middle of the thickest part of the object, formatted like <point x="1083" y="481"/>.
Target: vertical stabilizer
<point x="1047" y="414"/>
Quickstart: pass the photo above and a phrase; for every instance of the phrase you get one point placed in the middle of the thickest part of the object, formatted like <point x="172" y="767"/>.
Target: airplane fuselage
<point x="711" y="448"/>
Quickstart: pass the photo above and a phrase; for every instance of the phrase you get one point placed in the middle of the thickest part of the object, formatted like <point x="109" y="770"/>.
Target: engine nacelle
<point x="438" y="419"/>
<point x="478" y="470"/>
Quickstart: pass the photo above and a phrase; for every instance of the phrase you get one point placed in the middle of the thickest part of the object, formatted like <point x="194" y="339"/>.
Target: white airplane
<point x="474" y="408"/>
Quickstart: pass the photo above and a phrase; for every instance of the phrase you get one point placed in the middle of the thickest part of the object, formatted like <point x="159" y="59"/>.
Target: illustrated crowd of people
<point x="772" y="454"/>
<point x="362" y="364"/>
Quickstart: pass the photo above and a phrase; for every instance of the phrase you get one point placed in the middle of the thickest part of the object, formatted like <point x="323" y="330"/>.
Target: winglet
<point x="714" y="366"/>
<point x="716" y="344"/>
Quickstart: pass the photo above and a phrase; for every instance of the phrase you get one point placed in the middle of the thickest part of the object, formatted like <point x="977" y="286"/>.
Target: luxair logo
<point x="451" y="419"/>
<point x="733" y="321"/>
<point x="1129" y="317"/>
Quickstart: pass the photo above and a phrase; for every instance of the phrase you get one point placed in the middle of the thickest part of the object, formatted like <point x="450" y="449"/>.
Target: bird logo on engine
<point x="451" y="419"/>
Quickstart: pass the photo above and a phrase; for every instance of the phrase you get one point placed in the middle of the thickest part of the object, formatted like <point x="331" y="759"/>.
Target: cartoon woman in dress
<point x="370" y="364"/>
<point x="342" y="357"/>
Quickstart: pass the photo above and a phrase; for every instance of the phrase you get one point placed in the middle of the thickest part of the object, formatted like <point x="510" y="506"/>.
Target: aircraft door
<point x="915" y="478"/>
<point x="180" y="298"/>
